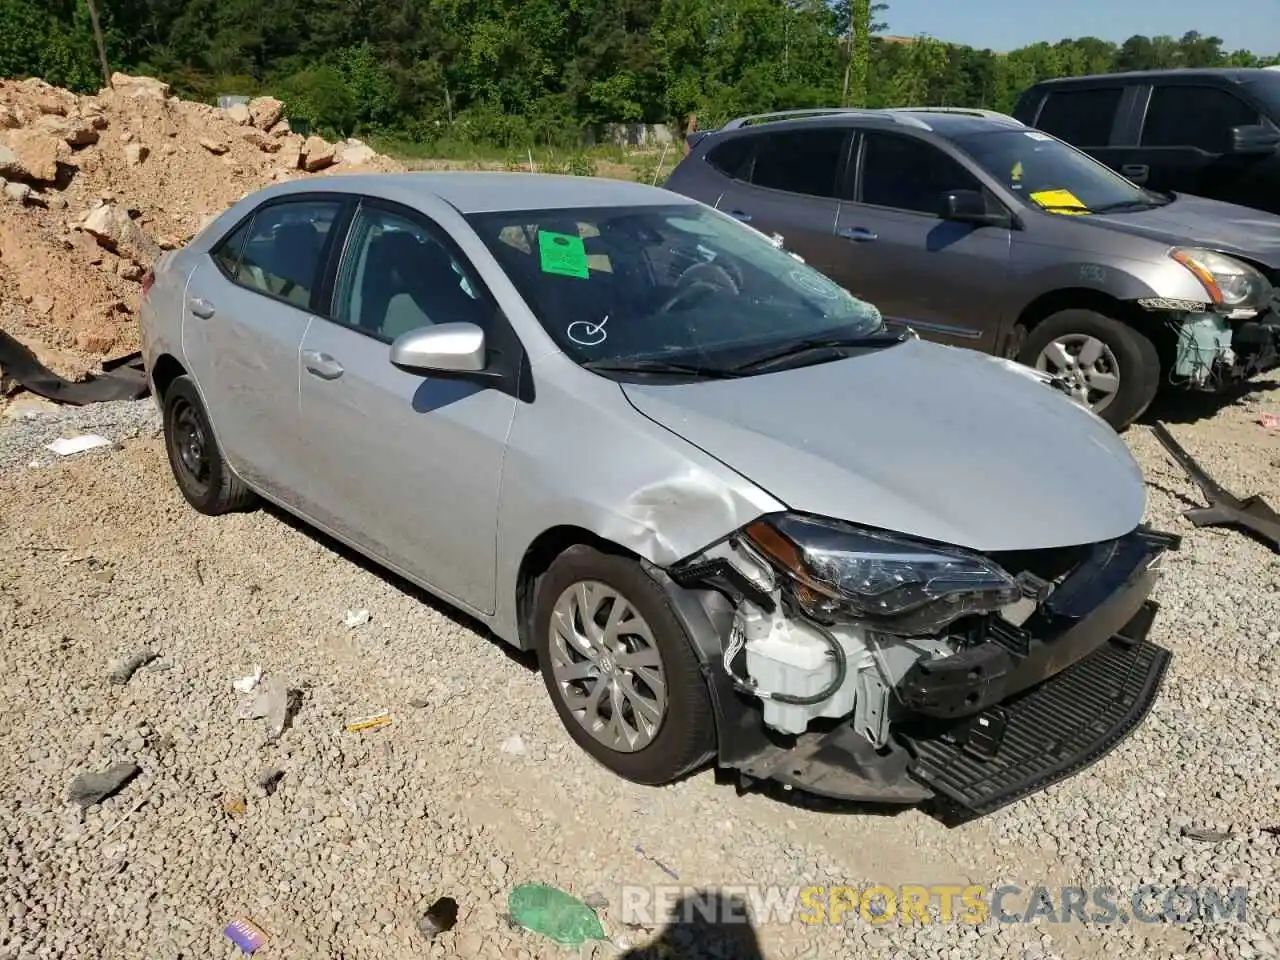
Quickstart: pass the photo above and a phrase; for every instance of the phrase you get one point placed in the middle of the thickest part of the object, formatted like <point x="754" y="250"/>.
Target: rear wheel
<point x="620" y="671"/>
<point x="205" y="479"/>
<point x="1107" y="365"/>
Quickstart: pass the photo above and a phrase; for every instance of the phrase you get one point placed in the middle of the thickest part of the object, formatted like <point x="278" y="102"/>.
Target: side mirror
<point x="1254" y="140"/>
<point x="969" y="206"/>
<point x="444" y="348"/>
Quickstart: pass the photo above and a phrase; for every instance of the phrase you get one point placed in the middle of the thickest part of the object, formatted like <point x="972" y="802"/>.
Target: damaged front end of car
<point x="1232" y="333"/>
<point x="860" y="665"/>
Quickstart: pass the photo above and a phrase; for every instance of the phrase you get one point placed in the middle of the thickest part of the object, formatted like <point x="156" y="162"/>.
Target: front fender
<point x="582" y="457"/>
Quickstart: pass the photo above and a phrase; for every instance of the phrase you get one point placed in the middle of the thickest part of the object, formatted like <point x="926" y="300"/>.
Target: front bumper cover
<point x="1030" y="707"/>
<point x="1256" y="344"/>
<point x="1101" y="596"/>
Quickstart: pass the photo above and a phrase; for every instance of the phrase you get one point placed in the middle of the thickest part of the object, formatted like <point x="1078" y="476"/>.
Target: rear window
<point x="732" y="156"/>
<point x="1081" y="117"/>
<point x="802" y="161"/>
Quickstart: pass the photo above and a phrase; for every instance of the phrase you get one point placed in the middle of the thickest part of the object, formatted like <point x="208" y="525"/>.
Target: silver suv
<point x="977" y="231"/>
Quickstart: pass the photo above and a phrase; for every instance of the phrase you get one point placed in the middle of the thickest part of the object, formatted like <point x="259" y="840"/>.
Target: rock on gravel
<point x="364" y="832"/>
<point x="92" y="788"/>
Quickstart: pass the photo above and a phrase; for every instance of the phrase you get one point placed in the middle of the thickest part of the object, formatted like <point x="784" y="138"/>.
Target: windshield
<point x="677" y="284"/>
<point x="1048" y="173"/>
<point x="1265" y="87"/>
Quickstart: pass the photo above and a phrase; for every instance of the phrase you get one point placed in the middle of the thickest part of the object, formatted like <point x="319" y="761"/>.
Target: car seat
<point x="410" y="283"/>
<point x="294" y="261"/>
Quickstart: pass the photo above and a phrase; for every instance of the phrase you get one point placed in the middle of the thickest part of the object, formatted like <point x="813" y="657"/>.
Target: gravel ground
<point x="101" y="560"/>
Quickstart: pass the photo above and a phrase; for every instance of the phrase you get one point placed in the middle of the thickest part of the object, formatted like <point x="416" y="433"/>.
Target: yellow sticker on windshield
<point x="1059" y="201"/>
<point x="1016" y="173"/>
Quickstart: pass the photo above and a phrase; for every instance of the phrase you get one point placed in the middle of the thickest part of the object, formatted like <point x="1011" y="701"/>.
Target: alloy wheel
<point x="1087" y="366"/>
<point x="607" y="667"/>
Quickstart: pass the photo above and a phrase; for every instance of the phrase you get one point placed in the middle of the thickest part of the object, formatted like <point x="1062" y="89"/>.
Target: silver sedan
<point x="735" y="516"/>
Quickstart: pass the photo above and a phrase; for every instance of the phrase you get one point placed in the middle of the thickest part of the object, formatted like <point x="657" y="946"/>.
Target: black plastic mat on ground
<point x="123" y="378"/>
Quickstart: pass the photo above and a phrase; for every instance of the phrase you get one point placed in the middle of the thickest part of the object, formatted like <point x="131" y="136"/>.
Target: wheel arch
<point x="1149" y="324"/>
<point x="703" y="613"/>
<point x="164" y="371"/>
<point x="537" y="559"/>
<point x="1077" y="298"/>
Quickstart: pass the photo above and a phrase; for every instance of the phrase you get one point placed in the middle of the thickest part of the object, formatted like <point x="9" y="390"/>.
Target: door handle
<point x="321" y="365"/>
<point x="740" y="215"/>
<point x="857" y="234"/>
<point x="1137" y="172"/>
<point x="202" y="308"/>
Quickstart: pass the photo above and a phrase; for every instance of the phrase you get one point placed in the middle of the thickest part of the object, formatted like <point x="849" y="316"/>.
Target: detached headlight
<point x="841" y="572"/>
<point x="1231" y="284"/>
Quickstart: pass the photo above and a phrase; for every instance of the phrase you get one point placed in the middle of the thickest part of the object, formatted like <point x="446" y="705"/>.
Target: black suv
<point x="1209" y="133"/>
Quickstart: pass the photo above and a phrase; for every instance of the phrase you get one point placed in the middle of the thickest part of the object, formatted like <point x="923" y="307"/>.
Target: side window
<point x="732" y="156"/>
<point x="283" y="254"/>
<point x="397" y="276"/>
<point x="227" y="253"/>
<point x="802" y="161"/>
<point x="1083" y="118"/>
<point x="1202" y="117"/>
<point x="909" y="174"/>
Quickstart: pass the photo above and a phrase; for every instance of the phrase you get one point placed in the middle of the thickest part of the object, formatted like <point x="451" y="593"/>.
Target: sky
<point x="1008" y="24"/>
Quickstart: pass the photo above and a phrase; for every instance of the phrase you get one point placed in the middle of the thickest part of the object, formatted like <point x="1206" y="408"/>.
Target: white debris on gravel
<point x="359" y="833"/>
<point x="25" y="435"/>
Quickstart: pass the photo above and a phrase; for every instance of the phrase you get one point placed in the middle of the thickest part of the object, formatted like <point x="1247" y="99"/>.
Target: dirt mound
<point x="94" y="187"/>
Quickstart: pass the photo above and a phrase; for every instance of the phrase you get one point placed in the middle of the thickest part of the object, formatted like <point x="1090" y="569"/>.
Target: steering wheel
<point x="691" y="291"/>
<point x="727" y="276"/>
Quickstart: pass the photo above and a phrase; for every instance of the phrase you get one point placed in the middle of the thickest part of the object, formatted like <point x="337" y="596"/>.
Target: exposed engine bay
<point x="885" y="644"/>
<point x="1214" y="349"/>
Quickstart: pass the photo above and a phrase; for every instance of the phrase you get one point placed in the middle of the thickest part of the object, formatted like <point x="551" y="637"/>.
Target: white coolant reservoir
<point x="793" y="659"/>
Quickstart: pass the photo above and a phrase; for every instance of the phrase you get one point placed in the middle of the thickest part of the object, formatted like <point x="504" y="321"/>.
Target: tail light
<point x="148" y="279"/>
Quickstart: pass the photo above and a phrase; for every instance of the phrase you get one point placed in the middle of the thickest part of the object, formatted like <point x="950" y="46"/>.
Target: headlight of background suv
<point x="841" y="572"/>
<point x="1232" y="285"/>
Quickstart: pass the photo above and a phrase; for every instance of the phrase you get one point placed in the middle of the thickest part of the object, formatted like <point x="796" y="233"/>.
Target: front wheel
<point x="1107" y="365"/>
<point x="620" y="671"/>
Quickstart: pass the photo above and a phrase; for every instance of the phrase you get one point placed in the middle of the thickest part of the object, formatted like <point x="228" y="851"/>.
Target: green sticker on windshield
<point x="563" y="254"/>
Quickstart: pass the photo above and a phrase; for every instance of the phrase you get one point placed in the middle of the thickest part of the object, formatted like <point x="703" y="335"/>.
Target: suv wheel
<point x="1109" y="367"/>
<point x="620" y="671"/>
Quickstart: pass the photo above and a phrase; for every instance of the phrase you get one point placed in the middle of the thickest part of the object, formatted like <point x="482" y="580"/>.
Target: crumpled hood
<point x="935" y="442"/>
<point x="1197" y="222"/>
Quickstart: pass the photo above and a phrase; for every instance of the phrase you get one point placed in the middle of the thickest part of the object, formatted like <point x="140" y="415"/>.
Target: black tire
<point x="1135" y="354"/>
<point x="685" y="737"/>
<point x="205" y="479"/>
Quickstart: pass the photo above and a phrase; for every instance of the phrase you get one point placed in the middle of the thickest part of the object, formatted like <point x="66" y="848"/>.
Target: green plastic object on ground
<point x="555" y="914"/>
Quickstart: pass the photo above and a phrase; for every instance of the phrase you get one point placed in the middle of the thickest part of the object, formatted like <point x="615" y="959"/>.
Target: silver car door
<point x="247" y="307"/>
<point x="406" y="466"/>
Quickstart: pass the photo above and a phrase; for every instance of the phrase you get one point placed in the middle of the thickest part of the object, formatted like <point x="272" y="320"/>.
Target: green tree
<point x="520" y="72"/>
<point x="861" y="25"/>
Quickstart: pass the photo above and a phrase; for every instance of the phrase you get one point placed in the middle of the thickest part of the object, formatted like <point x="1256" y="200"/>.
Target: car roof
<point x="486" y="192"/>
<point x="1233" y="74"/>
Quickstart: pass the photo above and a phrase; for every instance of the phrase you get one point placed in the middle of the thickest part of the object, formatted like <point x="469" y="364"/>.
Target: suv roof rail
<point x="901" y="115"/>
<point x="784" y="115"/>
<point x="790" y="114"/>
<point x="965" y="111"/>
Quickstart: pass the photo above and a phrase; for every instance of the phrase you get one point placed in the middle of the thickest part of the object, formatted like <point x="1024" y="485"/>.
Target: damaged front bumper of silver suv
<point x="858" y="666"/>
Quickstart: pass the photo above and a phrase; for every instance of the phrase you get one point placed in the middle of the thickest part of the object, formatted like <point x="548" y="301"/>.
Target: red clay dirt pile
<point x="92" y="188"/>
